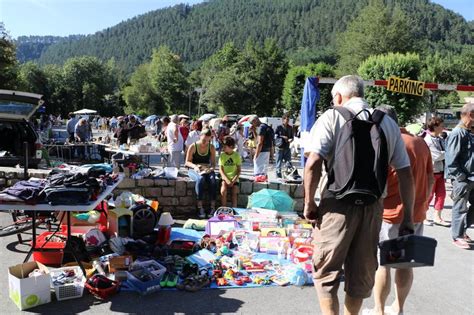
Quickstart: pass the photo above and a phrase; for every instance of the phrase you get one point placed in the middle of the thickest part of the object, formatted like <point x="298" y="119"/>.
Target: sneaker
<point x="442" y="223"/>
<point x="388" y="310"/>
<point x="260" y="178"/>
<point x="428" y="223"/>
<point x="461" y="243"/>
<point x="202" y="213"/>
<point x="468" y="239"/>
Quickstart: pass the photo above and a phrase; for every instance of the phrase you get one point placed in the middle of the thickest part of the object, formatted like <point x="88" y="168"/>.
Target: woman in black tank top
<point x="201" y="161"/>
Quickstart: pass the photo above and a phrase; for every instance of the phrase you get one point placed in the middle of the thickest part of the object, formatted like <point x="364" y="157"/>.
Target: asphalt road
<point x="446" y="288"/>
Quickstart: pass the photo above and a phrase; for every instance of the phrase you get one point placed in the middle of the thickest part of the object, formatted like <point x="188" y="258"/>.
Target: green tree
<point x="8" y="60"/>
<point x="169" y="79"/>
<point x="448" y="69"/>
<point x="254" y="78"/>
<point x="140" y="97"/>
<point x="227" y="94"/>
<point x="56" y="102"/>
<point x="294" y="86"/>
<point x="399" y="65"/>
<point x="376" y="30"/>
<point x="31" y="78"/>
<point x="158" y="87"/>
<point x="86" y="81"/>
<point x="264" y="73"/>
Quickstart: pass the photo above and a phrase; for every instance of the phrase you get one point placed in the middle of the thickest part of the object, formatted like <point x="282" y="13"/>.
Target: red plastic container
<point x="50" y="258"/>
<point x="103" y="294"/>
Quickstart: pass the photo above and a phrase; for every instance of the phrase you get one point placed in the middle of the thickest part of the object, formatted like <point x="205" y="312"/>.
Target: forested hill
<point x="32" y="47"/>
<point x="195" y="32"/>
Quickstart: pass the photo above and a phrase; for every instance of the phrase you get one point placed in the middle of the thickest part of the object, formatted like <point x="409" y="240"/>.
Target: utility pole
<point x="190" y="93"/>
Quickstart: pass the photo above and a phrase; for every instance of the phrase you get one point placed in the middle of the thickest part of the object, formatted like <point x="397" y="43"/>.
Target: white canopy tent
<point x="85" y="111"/>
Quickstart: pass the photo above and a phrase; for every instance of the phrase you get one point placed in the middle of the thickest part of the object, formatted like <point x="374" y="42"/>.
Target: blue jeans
<point x="462" y="215"/>
<point x="282" y="155"/>
<point x="201" y="180"/>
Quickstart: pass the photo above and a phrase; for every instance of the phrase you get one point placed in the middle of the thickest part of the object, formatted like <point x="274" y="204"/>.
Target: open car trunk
<point x="16" y="108"/>
<point x="12" y="150"/>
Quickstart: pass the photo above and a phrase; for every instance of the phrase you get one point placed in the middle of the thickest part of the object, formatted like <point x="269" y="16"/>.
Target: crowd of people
<point x="347" y="232"/>
<point x="202" y="147"/>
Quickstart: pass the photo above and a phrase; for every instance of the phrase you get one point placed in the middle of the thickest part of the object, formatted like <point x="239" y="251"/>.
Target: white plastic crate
<point x="69" y="290"/>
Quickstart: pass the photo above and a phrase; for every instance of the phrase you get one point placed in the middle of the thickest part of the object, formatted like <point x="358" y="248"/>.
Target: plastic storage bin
<point x="151" y="266"/>
<point x="50" y="257"/>
<point x="134" y="283"/>
<point x="68" y="290"/>
<point x="408" y="251"/>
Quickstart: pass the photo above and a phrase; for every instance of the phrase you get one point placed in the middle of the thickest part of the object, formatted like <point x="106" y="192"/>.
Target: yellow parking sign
<point x="405" y="86"/>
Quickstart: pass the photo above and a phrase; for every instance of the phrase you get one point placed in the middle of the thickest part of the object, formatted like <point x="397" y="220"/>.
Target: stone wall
<point x="11" y="175"/>
<point x="177" y="196"/>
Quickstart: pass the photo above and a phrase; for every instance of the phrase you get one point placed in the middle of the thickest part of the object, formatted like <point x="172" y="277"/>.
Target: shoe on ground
<point x="172" y="280"/>
<point x="461" y="243"/>
<point x="258" y="178"/>
<point x="202" y="213"/>
<point x="261" y="178"/>
<point x="164" y="280"/>
<point x="442" y="223"/>
<point x="388" y="310"/>
<point x="468" y="239"/>
<point x="428" y="223"/>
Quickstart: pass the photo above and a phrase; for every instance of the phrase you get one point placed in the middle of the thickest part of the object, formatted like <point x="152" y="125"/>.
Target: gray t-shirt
<point x="323" y="134"/>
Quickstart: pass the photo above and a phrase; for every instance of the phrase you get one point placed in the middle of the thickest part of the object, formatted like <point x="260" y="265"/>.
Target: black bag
<point x="78" y="245"/>
<point x="408" y="251"/>
<point x="359" y="170"/>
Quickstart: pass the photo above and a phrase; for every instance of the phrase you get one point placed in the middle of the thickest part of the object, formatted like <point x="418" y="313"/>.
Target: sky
<point x="68" y="17"/>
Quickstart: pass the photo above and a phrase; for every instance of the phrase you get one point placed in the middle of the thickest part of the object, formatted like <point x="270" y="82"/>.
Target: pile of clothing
<point x="72" y="186"/>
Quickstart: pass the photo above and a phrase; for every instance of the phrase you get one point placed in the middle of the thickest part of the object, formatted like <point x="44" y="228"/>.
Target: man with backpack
<point x="356" y="145"/>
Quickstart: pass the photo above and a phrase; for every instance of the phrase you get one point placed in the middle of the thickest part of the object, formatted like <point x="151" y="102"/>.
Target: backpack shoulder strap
<point x="377" y="116"/>
<point x="346" y="113"/>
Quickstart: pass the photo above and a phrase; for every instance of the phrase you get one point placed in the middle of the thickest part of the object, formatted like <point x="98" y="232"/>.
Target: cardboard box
<point x="28" y="292"/>
<point x="120" y="263"/>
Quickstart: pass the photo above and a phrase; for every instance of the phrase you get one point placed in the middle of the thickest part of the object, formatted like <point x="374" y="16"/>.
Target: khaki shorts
<point x="346" y="236"/>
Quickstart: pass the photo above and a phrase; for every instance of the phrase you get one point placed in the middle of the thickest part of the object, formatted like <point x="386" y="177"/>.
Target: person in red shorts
<point x="422" y="170"/>
<point x="437" y="145"/>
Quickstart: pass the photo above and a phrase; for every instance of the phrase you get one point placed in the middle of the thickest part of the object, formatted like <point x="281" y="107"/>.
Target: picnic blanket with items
<point x="236" y="248"/>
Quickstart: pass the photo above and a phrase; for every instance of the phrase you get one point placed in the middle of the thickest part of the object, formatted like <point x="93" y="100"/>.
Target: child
<point x="229" y="168"/>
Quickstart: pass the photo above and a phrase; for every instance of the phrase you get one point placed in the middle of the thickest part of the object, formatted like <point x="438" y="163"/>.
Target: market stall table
<point x="60" y="149"/>
<point x="60" y="208"/>
<point x="163" y="156"/>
